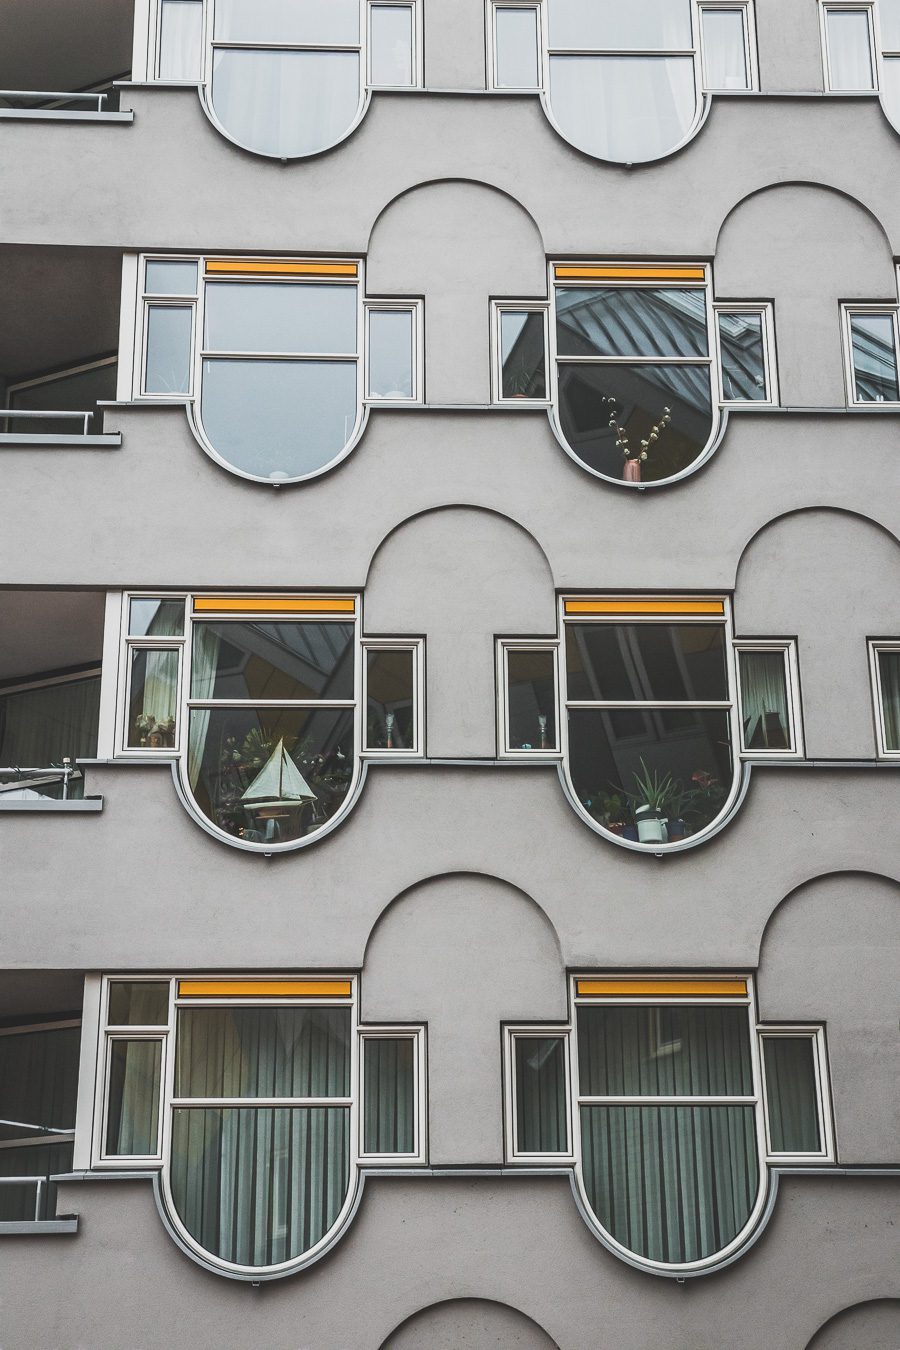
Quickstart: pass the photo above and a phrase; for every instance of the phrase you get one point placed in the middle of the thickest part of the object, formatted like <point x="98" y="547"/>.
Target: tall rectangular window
<point x="795" y="1080"/>
<point x="885" y="666"/>
<point x="528" y="685"/>
<point x="726" y="49"/>
<point x="769" y="698"/>
<point x="871" y="337"/>
<point x="520" y="346"/>
<point x="180" y="54"/>
<point x="516" y="42"/>
<point x="392" y="46"/>
<point x="849" y="56"/>
<point x="746" y="352"/>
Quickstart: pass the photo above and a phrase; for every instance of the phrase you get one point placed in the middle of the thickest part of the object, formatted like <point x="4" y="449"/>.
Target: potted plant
<point x="650" y="801"/>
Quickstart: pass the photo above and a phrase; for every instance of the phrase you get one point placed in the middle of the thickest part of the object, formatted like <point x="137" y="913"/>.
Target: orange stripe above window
<point x="274" y="604"/>
<point x="574" y="272"/>
<point x="665" y="988"/>
<point x="278" y="267"/>
<point x="264" y="988"/>
<point x="716" y="607"/>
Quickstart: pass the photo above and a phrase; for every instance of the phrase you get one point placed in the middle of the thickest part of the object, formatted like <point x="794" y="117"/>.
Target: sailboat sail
<point x="279" y="780"/>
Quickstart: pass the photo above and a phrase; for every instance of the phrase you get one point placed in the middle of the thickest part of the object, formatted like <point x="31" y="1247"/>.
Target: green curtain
<point x="389" y="1105"/>
<point x="38" y="727"/>
<point x="889" y="670"/>
<point x="671" y="1183"/>
<point x="541" y="1087"/>
<point x="791" y="1094"/>
<point x="664" y="1051"/>
<point x="764" y="700"/>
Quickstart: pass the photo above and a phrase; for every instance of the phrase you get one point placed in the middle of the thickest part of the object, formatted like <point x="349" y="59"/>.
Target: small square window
<point x="538" y="1125"/>
<point x="393" y="347"/>
<point x="795" y="1081"/>
<point x="393" y="698"/>
<point x="171" y="276"/>
<point x="516" y="47"/>
<point x="180" y="54"/>
<point x="871" y="338"/>
<point x="726" y="51"/>
<point x="885" y="666"/>
<point x="392" y="1102"/>
<point x="746" y="354"/>
<point x="849" y="52"/>
<point x="529" y="721"/>
<point x="167" y="362"/>
<point x="769" y="699"/>
<point x="392" y="46"/>
<point x="520" y="342"/>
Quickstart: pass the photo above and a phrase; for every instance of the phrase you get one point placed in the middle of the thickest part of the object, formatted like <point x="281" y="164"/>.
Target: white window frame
<point x="766" y="311"/>
<point x="746" y="9"/>
<point x="864" y="7"/>
<point x="416" y="308"/>
<point x="503" y="647"/>
<point x="417" y="647"/>
<point x="877" y="645"/>
<point x="491" y="48"/>
<point x="109" y="1032"/>
<point x="146" y="302"/>
<point x="416" y="55"/>
<point x="848" y="311"/>
<point x="523" y="1031"/>
<point x="788" y="649"/>
<point x="129" y="643"/>
<point x="816" y="1034"/>
<point x="498" y="308"/>
<point x="419" y="1154"/>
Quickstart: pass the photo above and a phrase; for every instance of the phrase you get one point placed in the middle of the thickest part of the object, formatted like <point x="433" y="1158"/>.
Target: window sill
<point x="39" y="1227"/>
<point x="22" y="440"/>
<point x="61" y="115"/>
<point x="50" y="804"/>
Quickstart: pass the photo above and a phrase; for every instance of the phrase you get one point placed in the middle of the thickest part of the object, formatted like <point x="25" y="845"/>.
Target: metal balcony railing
<point x="54" y="99"/>
<point x="17" y="782"/>
<point x="43" y="415"/>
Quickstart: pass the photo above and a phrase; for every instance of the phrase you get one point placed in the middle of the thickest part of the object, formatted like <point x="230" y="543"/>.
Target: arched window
<point x="284" y="78"/>
<point x="257" y="1101"/>
<point x="269" y="355"/>
<point x="625" y="83"/>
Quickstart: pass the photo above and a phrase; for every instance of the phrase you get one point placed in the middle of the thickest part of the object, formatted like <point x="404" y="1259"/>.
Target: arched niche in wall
<point x="469" y="1324"/>
<point x="866" y="1326"/>
<point x="464" y="953"/>
<point x="828" y="954"/>
<point x="458" y="243"/>
<point x="807" y="247"/>
<point x="830" y="579"/>
<point x="459" y="575"/>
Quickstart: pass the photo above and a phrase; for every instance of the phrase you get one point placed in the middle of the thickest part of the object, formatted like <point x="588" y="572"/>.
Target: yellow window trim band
<point x="276" y="267"/>
<point x="264" y="988"/>
<point x="716" y="607"/>
<point x="273" y="604"/>
<point x="673" y="988"/>
<point x="565" y="272"/>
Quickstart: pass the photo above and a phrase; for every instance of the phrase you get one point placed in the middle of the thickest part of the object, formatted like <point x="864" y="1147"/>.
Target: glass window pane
<point x="259" y="661"/>
<point x="724" y="53"/>
<point x="792" y="1095"/>
<point x="889" y="679"/>
<point x="180" y="40"/>
<point x="19" y="1203"/>
<point x="626" y="321"/>
<point x="391" y="46"/>
<point x="38" y="1086"/>
<point x="605" y="413"/>
<point x="889" y="23"/>
<point x="259" y="1186"/>
<point x="390" y="353"/>
<point x="263" y="1052"/>
<point x="270" y="775"/>
<point x="671" y="1183"/>
<point x="874" y="358"/>
<point x="389" y="1105"/>
<point x="307" y="22"/>
<point x="764" y="699"/>
<point x="664" y="1051"/>
<point x="168" y="361"/>
<point x="610" y="25"/>
<point x="280" y="317"/>
<point x="516" y="53"/>
<point x="890" y="88"/>
<point x="627" y="109"/>
<point x="390" y="704"/>
<point x="279" y="419"/>
<point x="153" y="701"/>
<point x="849" y="52"/>
<point x="171" y="278"/>
<point x="522" y="354"/>
<point x="743" y="357"/>
<point x="641" y="780"/>
<point x="138" y="1003"/>
<point x="666" y="662"/>
<point x="40" y="727"/>
<point x="156" y="618"/>
<point x="132" y="1112"/>
<point x="286" y="103"/>
<point x="541" y="1087"/>
<point x="531" y="699"/>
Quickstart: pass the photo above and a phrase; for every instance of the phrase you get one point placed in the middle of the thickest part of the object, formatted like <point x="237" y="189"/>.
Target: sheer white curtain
<point x="285" y="103"/>
<point x="204" y="660"/>
<point x="764" y="698"/>
<point x="623" y="108"/>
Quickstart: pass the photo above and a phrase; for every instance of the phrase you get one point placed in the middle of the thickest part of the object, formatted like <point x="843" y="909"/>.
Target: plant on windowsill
<point x="655" y="794"/>
<point x="155" y="735"/>
<point x="631" y="472"/>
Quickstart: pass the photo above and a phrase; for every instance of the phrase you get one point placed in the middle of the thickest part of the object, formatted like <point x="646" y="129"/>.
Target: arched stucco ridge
<point x="463" y="1298"/>
<point x="808" y="183"/>
<point x="806" y="510"/>
<point x="812" y="880"/>
<point x="460" y="506"/>
<point x="460" y="179"/>
<point x="873" y="1303"/>
<point x="427" y="879"/>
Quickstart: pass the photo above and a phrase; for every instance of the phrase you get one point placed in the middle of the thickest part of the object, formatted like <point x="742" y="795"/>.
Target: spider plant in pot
<point x="650" y="801"/>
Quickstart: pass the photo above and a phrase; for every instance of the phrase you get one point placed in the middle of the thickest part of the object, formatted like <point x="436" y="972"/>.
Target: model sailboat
<point x="278" y="783"/>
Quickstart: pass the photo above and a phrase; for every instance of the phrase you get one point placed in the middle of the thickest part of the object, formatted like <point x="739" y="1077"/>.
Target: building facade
<point x="451" y="552"/>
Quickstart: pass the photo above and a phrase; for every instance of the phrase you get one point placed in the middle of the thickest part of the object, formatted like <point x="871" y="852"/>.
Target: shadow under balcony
<point x="58" y="345"/>
<point x="59" y="59"/>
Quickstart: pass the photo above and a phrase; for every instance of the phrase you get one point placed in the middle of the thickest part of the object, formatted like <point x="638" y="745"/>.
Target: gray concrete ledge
<point x="109" y="441"/>
<point x="40" y="1227"/>
<point x="49" y="804"/>
<point x="61" y="115"/>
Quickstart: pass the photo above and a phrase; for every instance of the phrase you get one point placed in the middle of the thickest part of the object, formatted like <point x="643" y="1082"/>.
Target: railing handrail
<point x="65" y="771"/>
<point x="62" y="94"/>
<point x="38" y="1182"/>
<point x="38" y="413"/>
